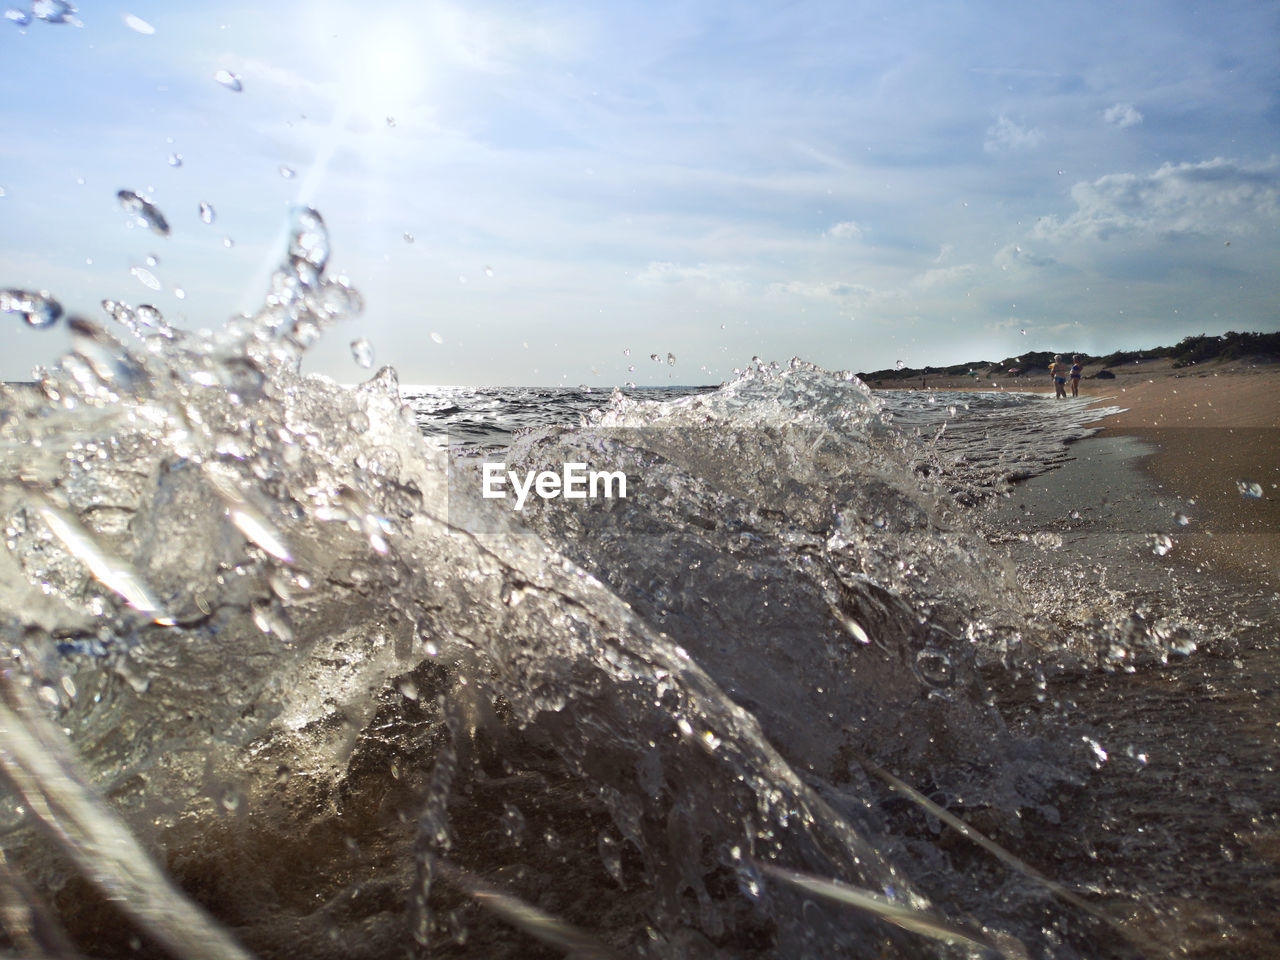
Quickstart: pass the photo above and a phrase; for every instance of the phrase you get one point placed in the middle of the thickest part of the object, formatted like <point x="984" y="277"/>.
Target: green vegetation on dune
<point x="1189" y="350"/>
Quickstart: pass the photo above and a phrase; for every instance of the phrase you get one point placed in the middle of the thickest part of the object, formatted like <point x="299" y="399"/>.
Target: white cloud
<point x="1016" y="255"/>
<point x="941" y="276"/>
<point x="1122" y="115"/>
<point x="846" y="230"/>
<point x="1215" y="197"/>
<point x="841" y="290"/>
<point x="701" y="277"/>
<point x="1008" y="134"/>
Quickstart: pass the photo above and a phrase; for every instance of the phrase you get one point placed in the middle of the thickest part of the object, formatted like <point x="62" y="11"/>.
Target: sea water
<point x="279" y="679"/>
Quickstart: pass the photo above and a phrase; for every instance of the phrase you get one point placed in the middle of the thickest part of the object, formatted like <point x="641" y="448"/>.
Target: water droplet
<point x="144" y="210"/>
<point x="362" y="352"/>
<point x="149" y="316"/>
<point x="436" y="337"/>
<point x="1248" y="488"/>
<point x="1182" y="519"/>
<point x="37" y="309"/>
<point x="228" y="242"/>
<point x="408" y="689"/>
<point x="175" y="159"/>
<point x="391" y="121"/>
<point x="146" y="277"/>
<point x="153" y="260"/>
<point x="53" y="11"/>
<point x="243" y="377"/>
<point x="671" y="359"/>
<point x="655" y="358"/>
<point x="1161" y="544"/>
<point x="17" y="17"/>
<point x="309" y="241"/>
<point x="180" y="293"/>
<point x="488" y="271"/>
<point x="138" y="24"/>
<point x="287" y="172"/>
<point x="900" y="365"/>
<point x="207" y="212"/>
<point x="229" y="80"/>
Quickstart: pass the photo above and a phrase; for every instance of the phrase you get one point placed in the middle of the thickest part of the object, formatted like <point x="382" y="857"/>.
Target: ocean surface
<point x="280" y="680"/>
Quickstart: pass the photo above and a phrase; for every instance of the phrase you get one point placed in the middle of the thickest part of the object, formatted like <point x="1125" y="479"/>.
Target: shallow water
<point x="279" y="645"/>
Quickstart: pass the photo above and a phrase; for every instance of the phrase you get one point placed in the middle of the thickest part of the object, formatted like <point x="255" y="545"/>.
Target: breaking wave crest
<point x="271" y="652"/>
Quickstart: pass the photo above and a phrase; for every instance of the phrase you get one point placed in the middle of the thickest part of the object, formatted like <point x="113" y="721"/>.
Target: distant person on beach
<point x="1076" y="368"/>
<point x="1058" y="370"/>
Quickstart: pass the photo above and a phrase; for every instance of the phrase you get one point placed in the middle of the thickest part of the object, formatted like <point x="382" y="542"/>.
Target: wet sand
<point x="1213" y="437"/>
<point x="1217" y="452"/>
<point x="1176" y="835"/>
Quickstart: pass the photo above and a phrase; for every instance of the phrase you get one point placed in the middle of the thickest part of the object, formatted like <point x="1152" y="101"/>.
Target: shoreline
<point x="1211" y="437"/>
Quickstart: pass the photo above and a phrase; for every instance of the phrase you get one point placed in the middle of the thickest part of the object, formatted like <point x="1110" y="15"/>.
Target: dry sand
<point x="1216" y="433"/>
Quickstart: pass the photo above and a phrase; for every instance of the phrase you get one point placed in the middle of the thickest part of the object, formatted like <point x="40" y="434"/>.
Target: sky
<point x="541" y="193"/>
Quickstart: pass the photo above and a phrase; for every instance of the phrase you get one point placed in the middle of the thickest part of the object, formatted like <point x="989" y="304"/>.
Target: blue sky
<point x="853" y="183"/>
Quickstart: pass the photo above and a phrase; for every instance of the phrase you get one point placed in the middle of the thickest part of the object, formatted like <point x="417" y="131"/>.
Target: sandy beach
<point x="1214" y="431"/>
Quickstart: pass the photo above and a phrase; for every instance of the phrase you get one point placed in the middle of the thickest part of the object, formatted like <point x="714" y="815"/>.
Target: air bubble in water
<point x="207" y="212"/>
<point x="144" y="210"/>
<point x="1248" y="488"/>
<point x="934" y="667"/>
<point x="362" y="352"/>
<point x="610" y="856"/>
<point x="37" y="309"/>
<point x="513" y="822"/>
<point x="229" y="80"/>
